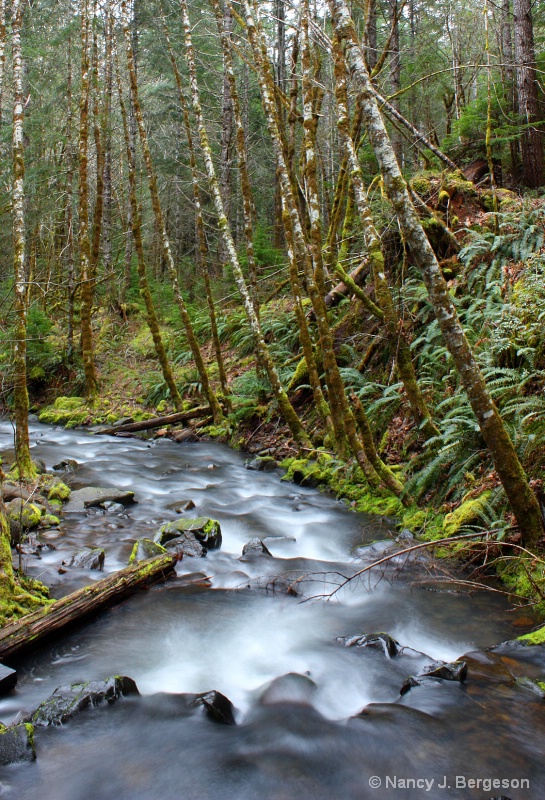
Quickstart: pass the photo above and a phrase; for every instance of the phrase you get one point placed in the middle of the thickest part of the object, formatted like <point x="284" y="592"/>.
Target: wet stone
<point x="68" y="465"/>
<point x="181" y="505"/>
<point x="92" y="496"/>
<point x="67" y="701"/>
<point x="87" y="559"/>
<point x="207" y="531"/>
<point x="16" y="744"/>
<point x="455" y="671"/>
<point x="186" y="545"/>
<point x="144" y="549"/>
<point x="376" y="641"/>
<point x="218" y="707"/>
<point x="8" y="679"/>
<point x="255" y="547"/>
<point x="261" y="464"/>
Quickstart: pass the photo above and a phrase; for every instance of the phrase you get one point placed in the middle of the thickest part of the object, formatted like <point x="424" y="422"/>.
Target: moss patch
<point x="469" y="511"/>
<point x="533" y="638"/>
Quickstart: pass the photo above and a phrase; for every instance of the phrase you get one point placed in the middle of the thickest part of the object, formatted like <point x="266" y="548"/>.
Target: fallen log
<point x="157" y="422"/>
<point x="33" y="630"/>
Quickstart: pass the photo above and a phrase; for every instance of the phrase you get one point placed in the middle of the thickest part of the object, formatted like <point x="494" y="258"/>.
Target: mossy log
<point x="34" y="629"/>
<point x="157" y="422"/>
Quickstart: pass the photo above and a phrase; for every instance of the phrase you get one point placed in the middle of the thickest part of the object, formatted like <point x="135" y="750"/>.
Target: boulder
<point x="8" y="679"/>
<point x="92" y="497"/>
<point x="207" y="531"/>
<point x="218" y="707"/>
<point x="186" y="545"/>
<point x="16" y="744"/>
<point x="12" y="490"/>
<point x="293" y="688"/>
<point x="455" y="671"/>
<point x="181" y="505"/>
<point x="68" y="465"/>
<point x="24" y="513"/>
<point x="67" y="701"/>
<point x="58" y="491"/>
<point x="255" y="547"/>
<point x="261" y="464"/>
<point x="377" y="641"/>
<point x="144" y="549"/>
<point x="91" y="558"/>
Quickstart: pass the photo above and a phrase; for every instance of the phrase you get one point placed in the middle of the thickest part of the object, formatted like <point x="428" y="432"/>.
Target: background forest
<point x="322" y="222"/>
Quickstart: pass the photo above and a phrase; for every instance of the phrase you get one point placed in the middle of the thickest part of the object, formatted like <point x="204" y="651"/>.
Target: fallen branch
<point x="34" y="629"/>
<point x="157" y="422"/>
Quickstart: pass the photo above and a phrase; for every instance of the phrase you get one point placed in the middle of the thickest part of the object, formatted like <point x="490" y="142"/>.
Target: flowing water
<point x="315" y="720"/>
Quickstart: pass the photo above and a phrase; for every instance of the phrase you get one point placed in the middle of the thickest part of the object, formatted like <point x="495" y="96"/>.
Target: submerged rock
<point x="16" y="744"/>
<point x="181" y="505"/>
<point x="255" y="547"/>
<point x="207" y="531"/>
<point x="8" y="679"/>
<point x="87" y="559"/>
<point x="92" y="496"/>
<point x="186" y="545"/>
<point x="144" y="549"/>
<point x="67" y="701"/>
<point x="455" y="671"/>
<point x="290" y="688"/>
<point x="218" y="707"/>
<point x="377" y="641"/>
<point x="261" y="464"/>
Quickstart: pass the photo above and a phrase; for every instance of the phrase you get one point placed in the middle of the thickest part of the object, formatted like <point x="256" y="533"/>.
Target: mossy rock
<point x="421" y="185"/>
<point x="206" y="530"/>
<point x="69" y="403"/>
<point x="533" y="638"/>
<point x="58" y="491"/>
<point x="25" y="514"/>
<point x="470" y="511"/>
<point x="49" y="521"/>
<point x="144" y="549"/>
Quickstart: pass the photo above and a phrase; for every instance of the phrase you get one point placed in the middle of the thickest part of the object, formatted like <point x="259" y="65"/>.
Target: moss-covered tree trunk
<point x="202" y="249"/>
<point x="215" y="407"/>
<point x="284" y="405"/>
<point x="86" y="278"/>
<point x="136" y="228"/>
<point x="508" y="466"/>
<point x="393" y="325"/>
<point x="20" y="392"/>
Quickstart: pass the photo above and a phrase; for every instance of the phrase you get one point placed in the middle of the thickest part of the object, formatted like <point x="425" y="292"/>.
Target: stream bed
<point x="315" y="720"/>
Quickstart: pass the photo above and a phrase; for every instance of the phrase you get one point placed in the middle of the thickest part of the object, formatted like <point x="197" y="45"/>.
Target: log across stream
<point x="315" y="719"/>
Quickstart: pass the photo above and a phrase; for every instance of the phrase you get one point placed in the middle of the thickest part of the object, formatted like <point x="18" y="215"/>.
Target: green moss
<point x="59" y="491"/>
<point x="49" y="521"/>
<point x="470" y="511"/>
<point x="27" y="515"/>
<point x="421" y="185"/>
<point x="533" y="638"/>
<point x="69" y="403"/>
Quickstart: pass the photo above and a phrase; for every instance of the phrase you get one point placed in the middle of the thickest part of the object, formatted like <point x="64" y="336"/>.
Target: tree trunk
<point x="286" y="409"/>
<point x="151" y="315"/>
<point x="33" y="630"/>
<point x="86" y="278"/>
<point x="522" y="499"/>
<point x="166" y="251"/>
<point x="531" y="140"/>
<point x="20" y="393"/>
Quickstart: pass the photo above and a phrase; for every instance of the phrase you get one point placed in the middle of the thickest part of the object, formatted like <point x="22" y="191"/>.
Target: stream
<point x="315" y="720"/>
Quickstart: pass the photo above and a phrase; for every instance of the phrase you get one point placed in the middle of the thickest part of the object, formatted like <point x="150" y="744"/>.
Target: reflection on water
<point x="236" y="637"/>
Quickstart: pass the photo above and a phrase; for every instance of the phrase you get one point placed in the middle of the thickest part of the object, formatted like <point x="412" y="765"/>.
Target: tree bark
<point x="157" y="422"/>
<point x="533" y="168"/>
<point x="20" y="392"/>
<point x="166" y="250"/>
<point x="510" y="471"/>
<point x="286" y="409"/>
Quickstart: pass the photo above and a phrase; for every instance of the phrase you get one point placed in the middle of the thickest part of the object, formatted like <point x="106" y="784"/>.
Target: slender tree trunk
<point x="393" y="324"/>
<point x="508" y="75"/>
<point x="107" y="137"/>
<point x="202" y="249"/>
<point x="86" y="278"/>
<point x="286" y="409"/>
<point x="151" y="315"/>
<point x="533" y="168"/>
<point x="20" y="394"/>
<point x="69" y="248"/>
<point x="395" y="73"/>
<point x="522" y="499"/>
<point x="2" y="52"/>
<point x="166" y="251"/>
